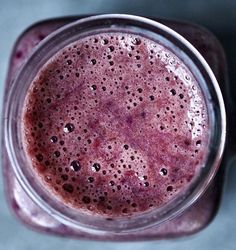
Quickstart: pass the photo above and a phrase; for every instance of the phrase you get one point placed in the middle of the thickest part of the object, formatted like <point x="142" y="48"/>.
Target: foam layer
<point x="115" y="124"/>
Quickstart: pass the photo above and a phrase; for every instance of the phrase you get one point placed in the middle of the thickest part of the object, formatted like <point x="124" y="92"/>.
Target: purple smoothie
<point x="115" y="124"/>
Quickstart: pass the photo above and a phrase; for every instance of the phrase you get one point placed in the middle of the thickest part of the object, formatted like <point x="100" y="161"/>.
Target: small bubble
<point x="93" y="61"/>
<point x="40" y="125"/>
<point x="64" y="177"/>
<point x="125" y="210"/>
<point x="77" y="74"/>
<point x="69" y="62"/>
<point x="136" y="41"/>
<point x="96" y="167"/>
<point x="146" y="184"/>
<point x="53" y="139"/>
<point x="162" y="127"/>
<point x="111" y="48"/>
<point x="169" y="188"/>
<point x="39" y="157"/>
<point x="163" y="171"/>
<point x="93" y="87"/>
<point x="90" y="179"/>
<point x="134" y="205"/>
<point x="69" y="127"/>
<point x="68" y="187"/>
<point x="47" y="163"/>
<point x="101" y="198"/>
<point x="57" y="154"/>
<point x="181" y="96"/>
<point x="126" y="147"/>
<point x="75" y="166"/>
<point x="198" y="143"/>
<point x="48" y="178"/>
<point x="105" y="41"/>
<point x="86" y="200"/>
<point x="140" y="90"/>
<point x="111" y="183"/>
<point x="151" y="97"/>
<point x="187" y="77"/>
<point x="111" y="63"/>
<point x="173" y="91"/>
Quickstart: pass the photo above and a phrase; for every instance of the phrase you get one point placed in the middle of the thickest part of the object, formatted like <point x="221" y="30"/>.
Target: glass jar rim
<point x="110" y="21"/>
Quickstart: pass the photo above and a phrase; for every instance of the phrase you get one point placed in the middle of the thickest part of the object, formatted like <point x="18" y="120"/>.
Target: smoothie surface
<point x="115" y="124"/>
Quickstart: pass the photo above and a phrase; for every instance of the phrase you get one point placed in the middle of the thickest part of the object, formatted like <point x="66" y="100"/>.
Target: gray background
<point x="218" y="16"/>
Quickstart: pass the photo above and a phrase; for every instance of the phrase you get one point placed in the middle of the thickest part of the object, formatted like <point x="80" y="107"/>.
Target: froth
<point x="115" y="124"/>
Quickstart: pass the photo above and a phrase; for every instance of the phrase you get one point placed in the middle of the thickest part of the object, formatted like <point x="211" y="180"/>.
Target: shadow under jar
<point x="114" y="126"/>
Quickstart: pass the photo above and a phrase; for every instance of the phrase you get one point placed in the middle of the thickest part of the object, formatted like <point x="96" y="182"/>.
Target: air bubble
<point x="69" y="62"/>
<point x="105" y="41"/>
<point x="57" y="154"/>
<point x="64" y="177"/>
<point x="111" y="48"/>
<point x="90" y="179"/>
<point x="125" y="210"/>
<point x="53" y="139"/>
<point x="69" y="127"/>
<point x="75" y="166"/>
<point x="163" y="171"/>
<point x="39" y="157"/>
<point x="151" y="97"/>
<point x="136" y="41"/>
<point x="146" y="184"/>
<point x="140" y="90"/>
<point x="173" y="91"/>
<point x="96" y="167"/>
<point x="40" y="124"/>
<point x="93" y="87"/>
<point x="93" y="61"/>
<point x="86" y="199"/>
<point x="68" y="187"/>
<point x="198" y="143"/>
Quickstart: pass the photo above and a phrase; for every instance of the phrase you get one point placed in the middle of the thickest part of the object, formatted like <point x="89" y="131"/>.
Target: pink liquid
<point x="115" y="124"/>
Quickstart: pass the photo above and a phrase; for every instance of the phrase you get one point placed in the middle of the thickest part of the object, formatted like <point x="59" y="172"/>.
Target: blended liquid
<point x="115" y="124"/>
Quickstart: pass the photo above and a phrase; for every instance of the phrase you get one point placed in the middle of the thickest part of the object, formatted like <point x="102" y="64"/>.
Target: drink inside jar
<point x="115" y="124"/>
